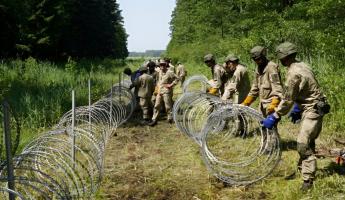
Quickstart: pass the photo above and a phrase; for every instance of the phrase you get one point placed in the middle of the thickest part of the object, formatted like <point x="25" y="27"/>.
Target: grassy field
<point x="160" y="162"/>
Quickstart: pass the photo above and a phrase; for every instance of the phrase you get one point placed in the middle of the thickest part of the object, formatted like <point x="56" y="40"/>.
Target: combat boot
<point x="307" y="184"/>
<point x="153" y="123"/>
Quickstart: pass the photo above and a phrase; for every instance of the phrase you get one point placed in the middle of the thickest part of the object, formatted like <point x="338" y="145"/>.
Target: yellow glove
<point x="275" y="102"/>
<point x="249" y="100"/>
<point x="213" y="91"/>
<point x="156" y="91"/>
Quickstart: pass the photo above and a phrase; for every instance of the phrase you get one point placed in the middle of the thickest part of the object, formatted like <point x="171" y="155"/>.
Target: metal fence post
<point x="89" y="105"/>
<point x="111" y="106"/>
<point x="73" y="124"/>
<point x="7" y="138"/>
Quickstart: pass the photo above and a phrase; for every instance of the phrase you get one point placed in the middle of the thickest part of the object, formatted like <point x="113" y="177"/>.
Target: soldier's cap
<point x="151" y="64"/>
<point x="142" y="69"/>
<point x="231" y="58"/>
<point x="258" y="52"/>
<point x="208" y="57"/>
<point x="162" y="62"/>
<point x="285" y="49"/>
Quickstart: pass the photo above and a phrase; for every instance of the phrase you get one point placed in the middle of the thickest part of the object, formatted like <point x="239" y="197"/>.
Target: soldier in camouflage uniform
<point x="238" y="86"/>
<point x="302" y="92"/>
<point x="166" y="81"/>
<point x="181" y="72"/>
<point x="145" y="85"/>
<point x="219" y="76"/>
<point x="266" y="84"/>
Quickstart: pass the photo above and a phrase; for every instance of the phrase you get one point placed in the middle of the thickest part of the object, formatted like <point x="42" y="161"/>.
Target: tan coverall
<point x="303" y="89"/>
<point x="171" y="68"/>
<point x="219" y="77"/>
<point x="267" y="86"/>
<point x="164" y="94"/>
<point x="181" y="73"/>
<point x="145" y="84"/>
<point x="238" y="86"/>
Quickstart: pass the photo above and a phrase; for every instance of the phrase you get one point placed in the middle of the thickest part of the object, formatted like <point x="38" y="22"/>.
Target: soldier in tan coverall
<point x="301" y="88"/>
<point x="219" y="76"/>
<point x="266" y="84"/>
<point x="238" y="86"/>
<point x="181" y="72"/>
<point x="166" y="81"/>
<point x="145" y="85"/>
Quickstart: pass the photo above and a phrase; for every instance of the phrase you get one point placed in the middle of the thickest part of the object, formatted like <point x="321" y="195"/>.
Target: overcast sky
<point x="147" y="23"/>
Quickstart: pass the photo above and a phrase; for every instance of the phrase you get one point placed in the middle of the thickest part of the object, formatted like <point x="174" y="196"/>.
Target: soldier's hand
<point x="295" y="114"/>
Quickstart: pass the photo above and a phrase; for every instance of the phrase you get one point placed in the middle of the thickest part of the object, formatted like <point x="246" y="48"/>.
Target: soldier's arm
<point x="254" y="90"/>
<point x="276" y="84"/>
<point x="218" y="79"/>
<point x="290" y="95"/>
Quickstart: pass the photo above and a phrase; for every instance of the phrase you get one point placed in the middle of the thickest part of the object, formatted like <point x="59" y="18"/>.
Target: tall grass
<point x="40" y="91"/>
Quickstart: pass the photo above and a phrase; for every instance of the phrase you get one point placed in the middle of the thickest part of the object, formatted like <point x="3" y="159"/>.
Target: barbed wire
<point x="234" y="146"/>
<point x="67" y="162"/>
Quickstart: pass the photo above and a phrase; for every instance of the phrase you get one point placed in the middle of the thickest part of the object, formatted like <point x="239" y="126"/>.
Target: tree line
<point x="58" y="29"/>
<point x="220" y="26"/>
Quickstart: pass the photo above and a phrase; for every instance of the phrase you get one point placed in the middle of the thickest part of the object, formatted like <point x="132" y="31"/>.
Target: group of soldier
<point x="301" y="96"/>
<point x="154" y="83"/>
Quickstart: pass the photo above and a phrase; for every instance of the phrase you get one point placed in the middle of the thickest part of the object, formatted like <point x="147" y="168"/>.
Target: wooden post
<point x="7" y="138"/>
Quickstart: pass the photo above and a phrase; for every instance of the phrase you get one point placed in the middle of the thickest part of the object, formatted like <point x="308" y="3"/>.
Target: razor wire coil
<point x="234" y="146"/>
<point x="46" y="168"/>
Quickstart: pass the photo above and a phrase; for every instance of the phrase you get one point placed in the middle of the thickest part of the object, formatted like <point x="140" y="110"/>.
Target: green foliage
<point x="217" y="26"/>
<point x="40" y="92"/>
<point x="57" y="29"/>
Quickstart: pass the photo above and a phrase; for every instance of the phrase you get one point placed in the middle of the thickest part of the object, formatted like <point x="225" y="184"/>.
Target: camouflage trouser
<point x="167" y="99"/>
<point x="311" y="126"/>
<point x="145" y="104"/>
<point x="182" y="79"/>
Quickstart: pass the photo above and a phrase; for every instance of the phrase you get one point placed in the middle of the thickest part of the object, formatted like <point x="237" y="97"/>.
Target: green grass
<point x="160" y="162"/>
<point x="40" y="91"/>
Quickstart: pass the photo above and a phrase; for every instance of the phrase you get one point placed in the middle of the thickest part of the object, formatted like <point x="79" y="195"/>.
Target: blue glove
<point x="295" y="114"/>
<point x="270" y="121"/>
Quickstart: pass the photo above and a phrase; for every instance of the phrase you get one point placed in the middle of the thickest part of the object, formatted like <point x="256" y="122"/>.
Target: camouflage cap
<point x="285" y="49"/>
<point x="231" y="58"/>
<point x="162" y="62"/>
<point x="257" y="52"/>
<point x="208" y="57"/>
<point x="142" y="69"/>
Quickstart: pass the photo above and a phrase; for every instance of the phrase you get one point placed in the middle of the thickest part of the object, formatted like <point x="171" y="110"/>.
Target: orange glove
<point x="213" y="91"/>
<point x="275" y="102"/>
<point x="339" y="160"/>
<point x="249" y="100"/>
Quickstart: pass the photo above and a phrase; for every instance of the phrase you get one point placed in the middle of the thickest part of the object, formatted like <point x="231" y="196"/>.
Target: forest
<point x="58" y="29"/>
<point x="223" y="26"/>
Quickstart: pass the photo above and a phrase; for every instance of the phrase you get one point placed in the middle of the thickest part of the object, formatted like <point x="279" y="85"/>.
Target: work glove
<point x="275" y="102"/>
<point x="295" y="114"/>
<point x="270" y="121"/>
<point x="213" y="91"/>
<point x="249" y="100"/>
<point x="156" y="91"/>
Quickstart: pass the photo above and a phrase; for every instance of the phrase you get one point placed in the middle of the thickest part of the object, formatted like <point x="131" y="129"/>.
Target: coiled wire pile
<point x="67" y="162"/>
<point x="234" y="146"/>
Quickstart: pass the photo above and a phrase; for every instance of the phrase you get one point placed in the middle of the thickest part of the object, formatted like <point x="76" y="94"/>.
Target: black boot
<point x="153" y="123"/>
<point x="308" y="184"/>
